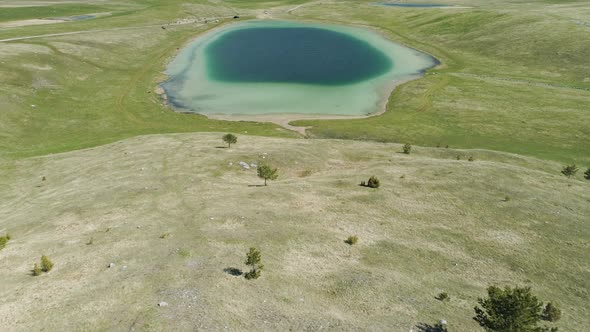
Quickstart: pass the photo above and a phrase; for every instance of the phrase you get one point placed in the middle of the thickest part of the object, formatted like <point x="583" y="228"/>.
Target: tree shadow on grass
<point x="221" y="147"/>
<point x="256" y="185"/>
<point x="233" y="271"/>
<point x="423" y="327"/>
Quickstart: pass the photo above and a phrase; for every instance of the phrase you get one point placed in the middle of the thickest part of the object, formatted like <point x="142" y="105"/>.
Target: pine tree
<point x="510" y="310"/>
<point x="253" y="259"/>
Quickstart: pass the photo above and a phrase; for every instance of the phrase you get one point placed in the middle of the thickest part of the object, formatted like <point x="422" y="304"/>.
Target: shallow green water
<point x="277" y="67"/>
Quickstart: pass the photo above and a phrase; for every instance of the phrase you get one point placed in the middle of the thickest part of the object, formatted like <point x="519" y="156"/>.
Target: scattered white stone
<point x="443" y="322"/>
<point x="230" y="164"/>
<point x="33" y="106"/>
<point x="163" y="304"/>
<point x="111" y="265"/>
<point x="253" y="165"/>
<point x="244" y="165"/>
<point x="124" y="267"/>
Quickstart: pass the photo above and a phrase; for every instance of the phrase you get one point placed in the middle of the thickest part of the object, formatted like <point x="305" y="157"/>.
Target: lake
<point x="280" y="67"/>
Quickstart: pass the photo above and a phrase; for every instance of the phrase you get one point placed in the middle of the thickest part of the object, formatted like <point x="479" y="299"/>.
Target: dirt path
<point x="111" y="29"/>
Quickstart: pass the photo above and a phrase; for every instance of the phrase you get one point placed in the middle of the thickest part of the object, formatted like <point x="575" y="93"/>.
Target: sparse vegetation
<point x="510" y="310"/>
<point x="90" y="241"/>
<point x="471" y="158"/>
<point x="230" y="139"/>
<point x="587" y="174"/>
<point x="253" y="260"/>
<point x="183" y="252"/>
<point x="267" y="173"/>
<point x="351" y="240"/>
<point x="46" y="264"/>
<point x="407" y="148"/>
<point x="569" y="170"/>
<point x="4" y="240"/>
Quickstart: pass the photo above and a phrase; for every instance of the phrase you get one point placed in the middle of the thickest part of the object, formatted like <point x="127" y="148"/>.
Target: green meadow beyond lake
<point x="278" y="67"/>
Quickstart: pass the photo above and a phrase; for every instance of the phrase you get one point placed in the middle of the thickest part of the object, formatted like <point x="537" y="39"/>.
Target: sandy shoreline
<point x="284" y="120"/>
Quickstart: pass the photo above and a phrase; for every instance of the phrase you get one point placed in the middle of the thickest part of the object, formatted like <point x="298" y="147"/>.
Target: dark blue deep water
<point x="293" y="55"/>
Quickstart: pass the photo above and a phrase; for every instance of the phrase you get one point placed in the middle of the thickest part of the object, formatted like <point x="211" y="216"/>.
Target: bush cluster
<point x="46" y="266"/>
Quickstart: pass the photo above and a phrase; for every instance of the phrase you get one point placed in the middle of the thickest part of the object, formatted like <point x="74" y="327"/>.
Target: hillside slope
<point x="172" y="214"/>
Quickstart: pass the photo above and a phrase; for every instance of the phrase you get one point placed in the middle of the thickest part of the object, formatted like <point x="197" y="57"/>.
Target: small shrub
<point x="507" y="198"/>
<point x="373" y="182"/>
<point x="36" y="270"/>
<point x="443" y="297"/>
<point x="471" y="158"/>
<point x="551" y="313"/>
<point x="165" y="235"/>
<point x="352" y="240"/>
<point x="458" y="157"/>
<point x="447" y="146"/>
<point x="183" y="252"/>
<point x="46" y="264"/>
<point x="569" y="170"/>
<point x="407" y="148"/>
<point x="4" y="240"/>
<point x="587" y="174"/>
<point x="90" y="242"/>
<point x="305" y="173"/>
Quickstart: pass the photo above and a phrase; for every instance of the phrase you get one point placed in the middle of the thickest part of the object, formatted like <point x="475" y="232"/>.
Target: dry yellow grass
<point x="436" y="224"/>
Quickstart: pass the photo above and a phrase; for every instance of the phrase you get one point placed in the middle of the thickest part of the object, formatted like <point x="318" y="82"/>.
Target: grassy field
<point x="514" y="78"/>
<point x="514" y="75"/>
<point x="94" y="170"/>
<point x="171" y="213"/>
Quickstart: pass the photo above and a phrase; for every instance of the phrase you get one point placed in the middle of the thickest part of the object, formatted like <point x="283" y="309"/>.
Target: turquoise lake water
<point x="279" y="67"/>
